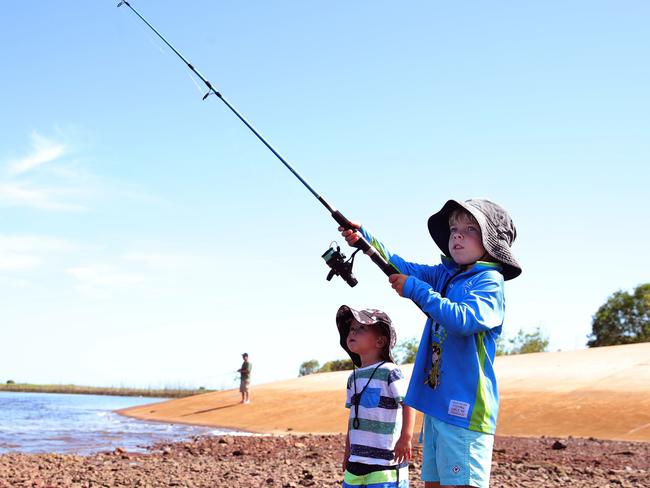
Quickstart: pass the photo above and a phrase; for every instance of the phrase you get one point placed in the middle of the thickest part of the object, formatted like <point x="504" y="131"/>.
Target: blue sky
<point x="147" y="238"/>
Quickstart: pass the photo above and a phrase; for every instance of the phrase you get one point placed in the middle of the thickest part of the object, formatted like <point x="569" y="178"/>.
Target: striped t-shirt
<point x="380" y="413"/>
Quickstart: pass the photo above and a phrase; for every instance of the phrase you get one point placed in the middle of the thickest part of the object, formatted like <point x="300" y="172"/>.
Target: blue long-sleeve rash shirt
<point x="453" y="376"/>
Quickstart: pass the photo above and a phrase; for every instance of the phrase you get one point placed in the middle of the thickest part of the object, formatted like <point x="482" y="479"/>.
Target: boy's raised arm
<point x="482" y="308"/>
<point x="421" y="271"/>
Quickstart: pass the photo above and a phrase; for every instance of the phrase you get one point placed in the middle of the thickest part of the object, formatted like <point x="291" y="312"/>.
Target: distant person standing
<point x="245" y="379"/>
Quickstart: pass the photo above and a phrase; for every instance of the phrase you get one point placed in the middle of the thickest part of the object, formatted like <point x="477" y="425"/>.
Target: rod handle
<point x="342" y="220"/>
<point x="364" y="245"/>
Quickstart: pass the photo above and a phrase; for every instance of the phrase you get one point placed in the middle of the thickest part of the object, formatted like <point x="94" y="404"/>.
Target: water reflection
<point x="82" y="424"/>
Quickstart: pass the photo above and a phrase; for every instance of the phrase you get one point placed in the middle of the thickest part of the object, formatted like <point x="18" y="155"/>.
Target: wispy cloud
<point x="165" y="261"/>
<point x="43" y="151"/>
<point x="14" y="261"/>
<point x="101" y="281"/>
<point x="149" y="272"/>
<point x="38" y="243"/>
<point x="24" y="194"/>
<point x="105" y="275"/>
<point x="27" y="252"/>
<point x="133" y="268"/>
<point x="14" y="283"/>
<point x="50" y="177"/>
<point x="26" y="183"/>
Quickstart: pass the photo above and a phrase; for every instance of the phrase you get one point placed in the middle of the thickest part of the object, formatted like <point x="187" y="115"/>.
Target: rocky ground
<point x="315" y="460"/>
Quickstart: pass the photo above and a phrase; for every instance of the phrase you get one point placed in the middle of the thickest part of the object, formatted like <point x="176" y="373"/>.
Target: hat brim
<point x="438" y="225"/>
<point x="343" y="317"/>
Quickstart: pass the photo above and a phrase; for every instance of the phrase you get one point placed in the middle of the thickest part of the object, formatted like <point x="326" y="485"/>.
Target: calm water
<point x="45" y="422"/>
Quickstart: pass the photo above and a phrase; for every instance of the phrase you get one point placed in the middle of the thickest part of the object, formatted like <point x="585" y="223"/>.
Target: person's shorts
<point x="373" y="476"/>
<point x="244" y="385"/>
<point x="455" y="456"/>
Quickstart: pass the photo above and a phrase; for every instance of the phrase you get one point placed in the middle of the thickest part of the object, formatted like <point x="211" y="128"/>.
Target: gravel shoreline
<point x="294" y="461"/>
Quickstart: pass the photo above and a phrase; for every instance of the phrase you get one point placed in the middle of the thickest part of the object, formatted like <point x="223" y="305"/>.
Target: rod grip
<point x="365" y="246"/>
<point x="342" y="220"/>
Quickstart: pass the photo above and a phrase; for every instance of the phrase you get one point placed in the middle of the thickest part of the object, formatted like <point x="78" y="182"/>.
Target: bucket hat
<point x="498" y="232"/>
<point x="369" y="316"/>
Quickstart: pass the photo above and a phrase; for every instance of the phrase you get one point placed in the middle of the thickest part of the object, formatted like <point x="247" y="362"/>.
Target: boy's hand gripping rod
<point x="362" y="243"/>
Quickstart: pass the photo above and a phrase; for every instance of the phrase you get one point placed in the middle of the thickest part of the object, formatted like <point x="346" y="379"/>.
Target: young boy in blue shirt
<point x="453" y="381"/>
<point x="378" y="441"/>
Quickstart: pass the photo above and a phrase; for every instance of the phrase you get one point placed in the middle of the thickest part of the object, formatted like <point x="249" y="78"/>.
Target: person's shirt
<point x="245" y="370"/>
<point x="379" y="413"/>
<point x="453" y="377"/>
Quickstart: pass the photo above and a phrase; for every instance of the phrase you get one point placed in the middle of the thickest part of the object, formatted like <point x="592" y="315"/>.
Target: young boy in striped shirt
<point x="378" y="442"/>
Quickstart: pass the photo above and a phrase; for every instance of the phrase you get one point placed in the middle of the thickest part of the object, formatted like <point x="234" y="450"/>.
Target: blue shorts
<point x="455" y="456"/>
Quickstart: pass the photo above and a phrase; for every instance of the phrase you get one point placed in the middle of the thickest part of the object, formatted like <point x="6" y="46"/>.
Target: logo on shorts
<point x="455" y="469"/>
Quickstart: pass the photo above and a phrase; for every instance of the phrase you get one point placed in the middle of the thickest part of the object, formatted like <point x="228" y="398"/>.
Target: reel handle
<point x="365" y="246"/>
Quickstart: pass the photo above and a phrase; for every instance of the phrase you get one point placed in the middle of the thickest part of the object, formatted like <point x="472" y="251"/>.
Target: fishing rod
<point x="333" y="256"/>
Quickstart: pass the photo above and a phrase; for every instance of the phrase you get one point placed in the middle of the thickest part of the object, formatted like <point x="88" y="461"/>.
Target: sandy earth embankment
<point x="602" y="392"/>
<point x="599" y="393"/>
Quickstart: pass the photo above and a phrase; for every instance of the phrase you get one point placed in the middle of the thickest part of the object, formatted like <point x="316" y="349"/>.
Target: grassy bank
<point x="101" y="390"/>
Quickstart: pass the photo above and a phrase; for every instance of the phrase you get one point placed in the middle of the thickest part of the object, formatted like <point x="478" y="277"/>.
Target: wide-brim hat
<point x="369" y="316"/>
<point x="498" y="231"/>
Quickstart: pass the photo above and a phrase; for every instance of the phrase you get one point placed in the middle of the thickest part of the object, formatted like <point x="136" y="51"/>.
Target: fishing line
<point x="158" y="46"/>
<point x="333" y="257"/>
<point x="146" y="33"/>
<point x="196" y="84"/>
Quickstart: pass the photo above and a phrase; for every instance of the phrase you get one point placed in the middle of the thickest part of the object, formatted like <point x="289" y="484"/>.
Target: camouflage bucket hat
<point x="498" y="232"/>
<point x="369" y="316"/>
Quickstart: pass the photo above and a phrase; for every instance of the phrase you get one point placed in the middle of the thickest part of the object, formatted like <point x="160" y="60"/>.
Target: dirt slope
<point x="602" y="392"/>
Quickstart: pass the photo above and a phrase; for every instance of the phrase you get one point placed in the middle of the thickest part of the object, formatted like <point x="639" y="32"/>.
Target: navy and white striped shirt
<point x="380" y="413"/>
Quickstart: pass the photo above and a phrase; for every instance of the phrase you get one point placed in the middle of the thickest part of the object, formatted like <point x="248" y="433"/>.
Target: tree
<point x="623" y="319"/>
<point x="406" y="350"/>
<point x="336" y="365"/>
<point x="523" y="343"/>
<point x="309" y="367"/>
<point x="502" y="348"/>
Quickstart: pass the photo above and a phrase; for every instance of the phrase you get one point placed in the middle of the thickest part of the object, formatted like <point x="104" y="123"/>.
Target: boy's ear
<point x="382" y="341"/>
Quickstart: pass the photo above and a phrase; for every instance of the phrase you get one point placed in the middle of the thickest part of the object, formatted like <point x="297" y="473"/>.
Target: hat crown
<point x="498" y="231"/>
<point x="368" y="316"/>
<point x="497" y="217"/>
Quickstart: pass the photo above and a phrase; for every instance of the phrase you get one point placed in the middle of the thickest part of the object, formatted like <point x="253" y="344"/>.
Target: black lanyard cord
<point x="357" y="398"/>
